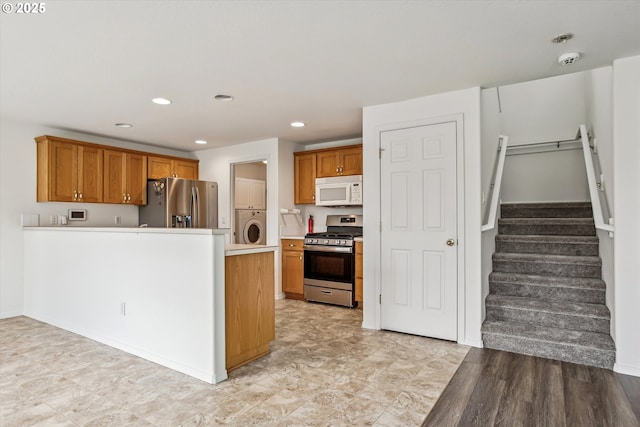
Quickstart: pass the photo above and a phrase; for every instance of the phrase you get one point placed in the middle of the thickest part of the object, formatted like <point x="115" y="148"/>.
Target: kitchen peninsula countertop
<point x="142" y="230"/>
<point x="244" y="249"/>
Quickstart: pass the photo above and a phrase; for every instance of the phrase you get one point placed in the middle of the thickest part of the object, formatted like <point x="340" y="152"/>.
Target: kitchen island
<point x="157" y="293"/>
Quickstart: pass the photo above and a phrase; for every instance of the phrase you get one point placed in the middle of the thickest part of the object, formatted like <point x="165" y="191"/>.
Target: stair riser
<point x="582" y="249"/>
<point x="556" y="351"/>
<point x="548" y="269"/>
<point x="577" y="212"/>
<point x="549" y="293"/>
<point x="557" y="320"/>
<point x="547" y="229"/>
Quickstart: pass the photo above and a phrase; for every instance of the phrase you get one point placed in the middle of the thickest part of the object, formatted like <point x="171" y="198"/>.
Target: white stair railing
<point x="593" y="184"/>
<point x="497" y="183"/>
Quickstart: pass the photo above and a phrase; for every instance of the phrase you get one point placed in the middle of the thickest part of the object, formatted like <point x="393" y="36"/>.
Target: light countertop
<point x="292" y="237"/>
<point x="244" y="249"/>
<point x="139" y="230"/>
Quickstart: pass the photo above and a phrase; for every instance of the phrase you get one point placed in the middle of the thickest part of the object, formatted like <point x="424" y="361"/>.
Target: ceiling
<point x="86" y="65"/>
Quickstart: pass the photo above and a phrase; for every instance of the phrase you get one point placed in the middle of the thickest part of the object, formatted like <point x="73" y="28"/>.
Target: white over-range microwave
<point x="339" y="191"/>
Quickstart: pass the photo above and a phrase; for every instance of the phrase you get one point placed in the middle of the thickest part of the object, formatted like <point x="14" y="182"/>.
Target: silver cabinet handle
<point x="291" y="245"/>
<point x="451" y="242"/>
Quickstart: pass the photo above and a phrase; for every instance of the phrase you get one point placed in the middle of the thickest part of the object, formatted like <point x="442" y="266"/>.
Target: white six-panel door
<point x="418" y="241"/>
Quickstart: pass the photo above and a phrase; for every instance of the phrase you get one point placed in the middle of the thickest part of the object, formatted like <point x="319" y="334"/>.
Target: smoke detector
<point x="569" y="58"/>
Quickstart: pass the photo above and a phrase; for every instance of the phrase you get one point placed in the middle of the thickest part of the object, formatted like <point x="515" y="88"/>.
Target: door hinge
<point x="380" y="150"/>
<point x="380" y="298"/>
<point x="381" y="226"/>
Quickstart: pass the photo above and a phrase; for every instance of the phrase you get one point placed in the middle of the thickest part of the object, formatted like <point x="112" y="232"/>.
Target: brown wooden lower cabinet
<point x="249" y="307"/>
<point x="293" y="268"/>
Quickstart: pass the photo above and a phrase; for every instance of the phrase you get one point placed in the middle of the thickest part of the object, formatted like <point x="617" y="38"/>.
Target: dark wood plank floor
<point x="496" y="388"/>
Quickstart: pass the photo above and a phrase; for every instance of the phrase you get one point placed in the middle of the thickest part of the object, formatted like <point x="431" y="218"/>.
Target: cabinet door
<point x="159" y="167"/>
<point x="186" y="169"/>
<point x="63" y="171"/>
<point x="327" y="163"/>
<point x="258" y="194"/>
<point x="292" y="272"/>
<point x="305" y="179"/>
<point x="242" y="194"/>
<point x="359" y="275"/>
<point x="90" y="174"/>
<point x="115" y="177"/>
<point x="351" y="161"/>
<point x="136" y="179"/>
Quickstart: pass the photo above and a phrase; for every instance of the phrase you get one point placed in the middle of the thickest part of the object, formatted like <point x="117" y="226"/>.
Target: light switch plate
<point x="30" y="220"/>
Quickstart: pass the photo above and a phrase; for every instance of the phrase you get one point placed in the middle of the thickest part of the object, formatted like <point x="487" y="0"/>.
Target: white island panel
<point x="156" y="295"/>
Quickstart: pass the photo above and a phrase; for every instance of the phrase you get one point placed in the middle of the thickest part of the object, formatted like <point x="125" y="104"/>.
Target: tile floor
<point x="324" y="369"/>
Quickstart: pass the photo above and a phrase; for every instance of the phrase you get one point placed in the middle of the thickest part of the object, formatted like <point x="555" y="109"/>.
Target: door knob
<point x="451" y="242"/>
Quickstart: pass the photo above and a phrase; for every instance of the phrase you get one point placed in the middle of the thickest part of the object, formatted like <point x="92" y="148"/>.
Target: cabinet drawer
<point x="292" y="244"/>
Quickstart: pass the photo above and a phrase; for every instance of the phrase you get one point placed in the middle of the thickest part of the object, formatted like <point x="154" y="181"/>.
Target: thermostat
<point x="77" y="214"/>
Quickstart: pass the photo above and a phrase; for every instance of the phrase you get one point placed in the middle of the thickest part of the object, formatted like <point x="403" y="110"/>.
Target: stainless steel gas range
<point x="329" y="261"/>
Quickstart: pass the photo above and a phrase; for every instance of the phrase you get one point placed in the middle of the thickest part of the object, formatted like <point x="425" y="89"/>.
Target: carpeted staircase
<point x="546" y="296"/>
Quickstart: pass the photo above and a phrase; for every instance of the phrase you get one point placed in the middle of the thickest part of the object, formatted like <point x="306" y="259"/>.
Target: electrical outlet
<point x="53" y="220"/>
<point x="118" y="220"/>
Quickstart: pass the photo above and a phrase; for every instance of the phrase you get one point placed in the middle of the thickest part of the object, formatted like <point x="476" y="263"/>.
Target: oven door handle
<point x="340" y="249"/>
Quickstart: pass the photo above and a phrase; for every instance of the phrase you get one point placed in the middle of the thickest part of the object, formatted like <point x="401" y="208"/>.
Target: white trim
<point x="10" y="314"/>
<point x="626" y="369"/>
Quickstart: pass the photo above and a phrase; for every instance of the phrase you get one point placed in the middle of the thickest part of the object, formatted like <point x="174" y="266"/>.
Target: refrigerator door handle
<point x="195" y="207"/>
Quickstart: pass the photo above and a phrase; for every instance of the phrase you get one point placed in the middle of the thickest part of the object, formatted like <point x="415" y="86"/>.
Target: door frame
<point x="460" y="200"/>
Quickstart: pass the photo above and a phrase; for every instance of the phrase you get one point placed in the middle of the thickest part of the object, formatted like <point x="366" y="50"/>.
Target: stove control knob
<point x="326" y="241"/>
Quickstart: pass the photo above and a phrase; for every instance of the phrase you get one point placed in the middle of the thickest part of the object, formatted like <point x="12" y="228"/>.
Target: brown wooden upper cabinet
<point x="161" y="167"/>
<point x="338" y="162"/>
<point x="309" y="165"/>
<point x="305" y="178"/>
<point x="78" y="171"/>
<point x="67" y="171"/>
<point x="125" y="177"/>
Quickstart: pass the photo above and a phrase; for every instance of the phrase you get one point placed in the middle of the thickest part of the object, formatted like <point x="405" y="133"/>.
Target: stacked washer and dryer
<point x="251" y="226"/>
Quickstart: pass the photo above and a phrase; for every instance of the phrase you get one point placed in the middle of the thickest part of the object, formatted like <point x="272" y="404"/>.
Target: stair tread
<point x="546" y="334"/>
<point x="547" y="205"/>
<point x="547" y="238"/>
<point x="548" y="306"/>
<point x="546" y="221"/>
<point x="550" y="259"/>
<point x="551" y="281"/>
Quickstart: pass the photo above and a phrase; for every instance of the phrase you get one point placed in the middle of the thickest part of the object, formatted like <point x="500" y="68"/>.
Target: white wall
<point x="254" y="170"/>
<point x="626" y="158"/>
<point x="171" y="285"/>
<point x="467" y="103"/>
<point x="215" y="165"/>
<point x="537" y="111"/>
<point x="18" y="195"/>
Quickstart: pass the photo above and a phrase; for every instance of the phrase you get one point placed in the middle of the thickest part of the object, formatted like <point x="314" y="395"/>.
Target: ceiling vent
<point x="569" y="58"/>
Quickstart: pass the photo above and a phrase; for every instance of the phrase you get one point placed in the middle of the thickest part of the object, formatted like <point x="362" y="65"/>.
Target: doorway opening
<point x="249" y="201"/>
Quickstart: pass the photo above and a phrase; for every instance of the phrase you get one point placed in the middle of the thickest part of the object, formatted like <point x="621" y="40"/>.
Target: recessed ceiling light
<point x="161" y="101"/>
<point x="124" y="125"/>
<point x="223" y="98"/>
<point x="201" y="141"/>
<point x="569" y="58"/>
<point x="562" y="38"/>
<point x="298" y="124"/>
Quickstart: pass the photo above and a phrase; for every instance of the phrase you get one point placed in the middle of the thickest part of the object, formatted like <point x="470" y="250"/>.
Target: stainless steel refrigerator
<point x="180" y="203"/>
